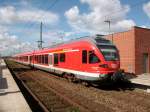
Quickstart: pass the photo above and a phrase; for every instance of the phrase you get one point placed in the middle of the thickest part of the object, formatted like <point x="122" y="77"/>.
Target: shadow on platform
<point x="3" y="67"/>
<point x="5" y="93"/>
<point x="3" y="83"/>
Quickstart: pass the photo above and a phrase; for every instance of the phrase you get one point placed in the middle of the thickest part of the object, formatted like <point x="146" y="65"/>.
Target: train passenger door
<point x="50" y="58"/>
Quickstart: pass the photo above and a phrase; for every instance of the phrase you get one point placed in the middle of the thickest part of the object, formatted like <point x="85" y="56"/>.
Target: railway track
<point x="48" y="98"/>
<point x="93" y="99"/>
<point x="59" y="101"/>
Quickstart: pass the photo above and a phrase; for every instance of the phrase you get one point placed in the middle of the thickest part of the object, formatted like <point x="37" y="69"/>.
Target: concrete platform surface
<point x="11" y="98"/>
<point x="143" y="79"/>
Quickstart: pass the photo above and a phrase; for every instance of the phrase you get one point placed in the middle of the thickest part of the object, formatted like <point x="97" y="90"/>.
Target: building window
<point x="93" y="58"/>
<point x="84" y="56"/>
<point x="55" y="58"/>
<point x="62" y="57"/>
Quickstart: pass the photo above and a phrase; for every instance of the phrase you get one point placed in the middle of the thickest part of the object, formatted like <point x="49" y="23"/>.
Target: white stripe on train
<point x="78" y="74"/>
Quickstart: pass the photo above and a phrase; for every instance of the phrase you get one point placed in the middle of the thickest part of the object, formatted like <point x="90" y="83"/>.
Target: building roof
<point x="133" y="28"/>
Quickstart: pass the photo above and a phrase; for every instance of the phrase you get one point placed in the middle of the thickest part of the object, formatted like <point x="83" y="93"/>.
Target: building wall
<point x="142" y="45"/>
<point x="132" y="45"/>
<point x="125" y="42"/>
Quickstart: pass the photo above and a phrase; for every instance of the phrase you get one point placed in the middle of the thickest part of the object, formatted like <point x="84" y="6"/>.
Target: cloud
<point x="9" y="14"/>
<point x="10" y="44"/>
<point x="13" y="20"/>
<point x="146" y="8"/>
<point x="58" y="36"/>
<point x="37" y="16"/>
<point x="100" y="10"/>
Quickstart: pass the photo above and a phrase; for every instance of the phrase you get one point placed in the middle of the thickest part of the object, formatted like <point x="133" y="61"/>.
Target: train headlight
<point x="102" y="75"/>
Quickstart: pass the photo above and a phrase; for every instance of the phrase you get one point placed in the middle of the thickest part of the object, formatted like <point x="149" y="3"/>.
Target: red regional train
<point x="89" y="59"/>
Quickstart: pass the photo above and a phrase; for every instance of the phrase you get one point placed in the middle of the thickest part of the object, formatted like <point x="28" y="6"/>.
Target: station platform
<point x="11" y="98"/>
<point x="143" y="80"/>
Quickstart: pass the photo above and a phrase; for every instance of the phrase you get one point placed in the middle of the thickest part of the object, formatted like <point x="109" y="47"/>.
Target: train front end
<point x="109" y="66"/>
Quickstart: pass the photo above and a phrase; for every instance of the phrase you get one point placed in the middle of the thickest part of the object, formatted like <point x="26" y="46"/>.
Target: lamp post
<point x="108" y="21"/>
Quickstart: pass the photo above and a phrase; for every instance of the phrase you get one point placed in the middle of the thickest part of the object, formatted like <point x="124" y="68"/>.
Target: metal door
<point x="145" y="63"/>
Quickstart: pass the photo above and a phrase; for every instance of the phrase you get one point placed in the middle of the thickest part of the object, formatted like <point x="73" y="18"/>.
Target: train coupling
<point x="118" y="76"/>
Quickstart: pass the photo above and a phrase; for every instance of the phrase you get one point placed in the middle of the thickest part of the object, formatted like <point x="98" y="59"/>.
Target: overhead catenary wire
<point x="46" y="9"/>
<point x="104" y="17"/>
<point x="50" y="7"/>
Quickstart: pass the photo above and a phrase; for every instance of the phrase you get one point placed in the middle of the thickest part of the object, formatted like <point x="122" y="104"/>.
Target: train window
<point x="93" y="58"/>
<point x="43" y="59"/>
<point x="110" y="52"/>
<point x="55" y="58"/>
<point x="30" y="58"/>
<point x="25" y="58"/>
<point x="84" y="56"/>
<point x="39" y="58"/>
<point x="36" y="58"/>
<point x="46" y="59"/>
<point x="62" y="57"/>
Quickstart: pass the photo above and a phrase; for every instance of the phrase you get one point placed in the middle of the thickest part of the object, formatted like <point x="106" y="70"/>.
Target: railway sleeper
<point x="67" y="109"/>
<point x="58" y="106"/>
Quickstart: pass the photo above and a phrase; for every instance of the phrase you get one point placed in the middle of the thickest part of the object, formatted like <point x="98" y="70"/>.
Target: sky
<point x="64" y="20"/>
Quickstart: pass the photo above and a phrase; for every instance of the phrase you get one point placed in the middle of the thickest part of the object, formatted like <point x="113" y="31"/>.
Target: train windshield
<point x="109" y="52"/>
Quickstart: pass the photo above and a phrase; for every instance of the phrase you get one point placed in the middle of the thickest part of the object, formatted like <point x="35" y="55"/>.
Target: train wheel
<point x="86" y="84"/>
<point x="65" y="75"/>
<point x="70" y="77"/>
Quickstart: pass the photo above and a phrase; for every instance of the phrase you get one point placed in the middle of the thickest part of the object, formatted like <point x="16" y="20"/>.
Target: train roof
<point x="97" y="40"/>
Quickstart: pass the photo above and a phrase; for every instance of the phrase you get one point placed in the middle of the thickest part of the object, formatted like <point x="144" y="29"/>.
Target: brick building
<point x="134" y="49"/>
